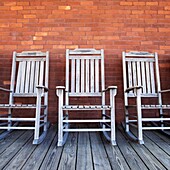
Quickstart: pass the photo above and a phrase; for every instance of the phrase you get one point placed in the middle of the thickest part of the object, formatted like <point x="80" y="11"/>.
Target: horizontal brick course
<point x="115" y="26"/>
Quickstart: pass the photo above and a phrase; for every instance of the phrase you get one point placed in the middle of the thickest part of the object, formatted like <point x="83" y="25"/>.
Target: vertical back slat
<point x="134" y="73"/>
<point x="148" y="78"/>
<point x="138" y="73"/>
<point x="77" y="75"/>
<point x="143" y="77"/>
<point x="36" y="75"/>
<point x="87" y="75"/>
<point x="41" y="77"/>
<point x="92" y="75"/>
<point x="82" y="75"/>
<point x="96" y="75"/>
<point x="18" y="78"/>
<point x="130" y="74"/>
<point x="73" y="75"/>
<point x="23" y="77"/>
<point x="31" y="87"/>
<point x="152" y="77"/>
<point x="27" y="81"/>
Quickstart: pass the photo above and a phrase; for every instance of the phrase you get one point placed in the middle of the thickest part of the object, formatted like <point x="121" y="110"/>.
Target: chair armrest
<point x="133" y="88"/>
<point x="60" y="87"/>
<point x="109" y="87"/>
<point x="42" y="87"/>
<point x="4" y="89"/>
<point x="164" y="91"/>
<point x="59" y="90"/>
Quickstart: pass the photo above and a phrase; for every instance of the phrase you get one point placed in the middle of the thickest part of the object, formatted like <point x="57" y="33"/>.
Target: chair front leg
<point x="37" y="116"/>
<point x="139" y="116"/>
<point x="60" y="117"/>
<point x="112" y="104"/>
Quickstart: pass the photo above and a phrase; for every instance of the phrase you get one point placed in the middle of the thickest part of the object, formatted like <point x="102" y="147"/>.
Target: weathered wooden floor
<point x="84" y="151"/>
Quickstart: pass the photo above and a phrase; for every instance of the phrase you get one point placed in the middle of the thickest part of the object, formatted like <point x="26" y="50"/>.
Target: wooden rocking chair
<point x="142" y="94"/>
<point x="29" y="79"/>
<point x="84" y="69"/>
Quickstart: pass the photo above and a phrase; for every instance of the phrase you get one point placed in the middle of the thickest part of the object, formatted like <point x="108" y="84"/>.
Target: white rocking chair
<point x="142" y="94"/>
<point x="29" y="79"/>
<point x="84" y="70"/>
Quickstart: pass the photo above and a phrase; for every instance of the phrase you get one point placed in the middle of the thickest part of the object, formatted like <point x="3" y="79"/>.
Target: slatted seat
<point x="29" y="81"/>
<point x="83" y="107"/>
<point x="85" y="78"/>
<point x="142" y="82"/>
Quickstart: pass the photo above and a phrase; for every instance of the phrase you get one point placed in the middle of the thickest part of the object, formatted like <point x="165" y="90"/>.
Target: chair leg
<point x="126" y="120"/>
<point x="113" y="131"/>
<point x="60" y="127"/>
<point x="139" y="117"/>
<point x="37" y="120"/>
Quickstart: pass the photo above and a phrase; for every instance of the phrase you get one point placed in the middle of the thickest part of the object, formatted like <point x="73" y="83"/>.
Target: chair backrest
<point x="29" y="69"/>
<point x="141" y="69"/>
<point x="85" y="72"/>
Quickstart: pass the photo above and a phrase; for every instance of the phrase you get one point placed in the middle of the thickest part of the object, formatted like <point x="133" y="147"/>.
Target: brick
<point x="126" y="3"/>
<point x="64" y="7"/>
<point x="29" y="16"/>
<point x="152" y="3"/>
<point x="41" y="34"/>
<point x="17" y="8"/>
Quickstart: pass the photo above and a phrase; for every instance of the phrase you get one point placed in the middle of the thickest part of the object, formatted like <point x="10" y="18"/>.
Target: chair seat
<point x="24" y="106"/>
<point x="86" y="107"/>
<point x="151" y="106"/>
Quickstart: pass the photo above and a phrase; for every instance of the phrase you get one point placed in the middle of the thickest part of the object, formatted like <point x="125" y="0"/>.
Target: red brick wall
<point x="113" y="25"/>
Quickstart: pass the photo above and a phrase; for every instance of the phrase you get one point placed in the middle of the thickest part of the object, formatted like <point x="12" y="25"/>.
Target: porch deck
<point x="84" y="151"/>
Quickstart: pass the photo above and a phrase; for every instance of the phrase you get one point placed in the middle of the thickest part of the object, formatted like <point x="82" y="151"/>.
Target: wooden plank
<point x="164" y="145"/>
<point x="68" y="158"/>
<point x="11" y="151"/>
<point x="156" y="151"/>
<point x="11" y="138"/>
<point x="72" y="75"/>
<point x="36" y="158"/>
<point x="22" y="156"/>
<point x="115" y="157"/>
<point x="84" y="157"/>
<point x="132" y="158"/>
<point x="150" y="161"/>
<point x="99" y="155"/>
<point x="52" y="158"/>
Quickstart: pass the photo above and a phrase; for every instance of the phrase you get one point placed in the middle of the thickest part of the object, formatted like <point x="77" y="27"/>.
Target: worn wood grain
<point x="100" y="158"/>
<point x="68" y="158"/>
<point x="130" y="155"/>
<point x="38" y="155"/>
<point x="52" y="158"/>
<point x="84" y="157"/>
<point x="13" y="149"/>
<point x="11" y="138"/>
<point x="116" y="158"/>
